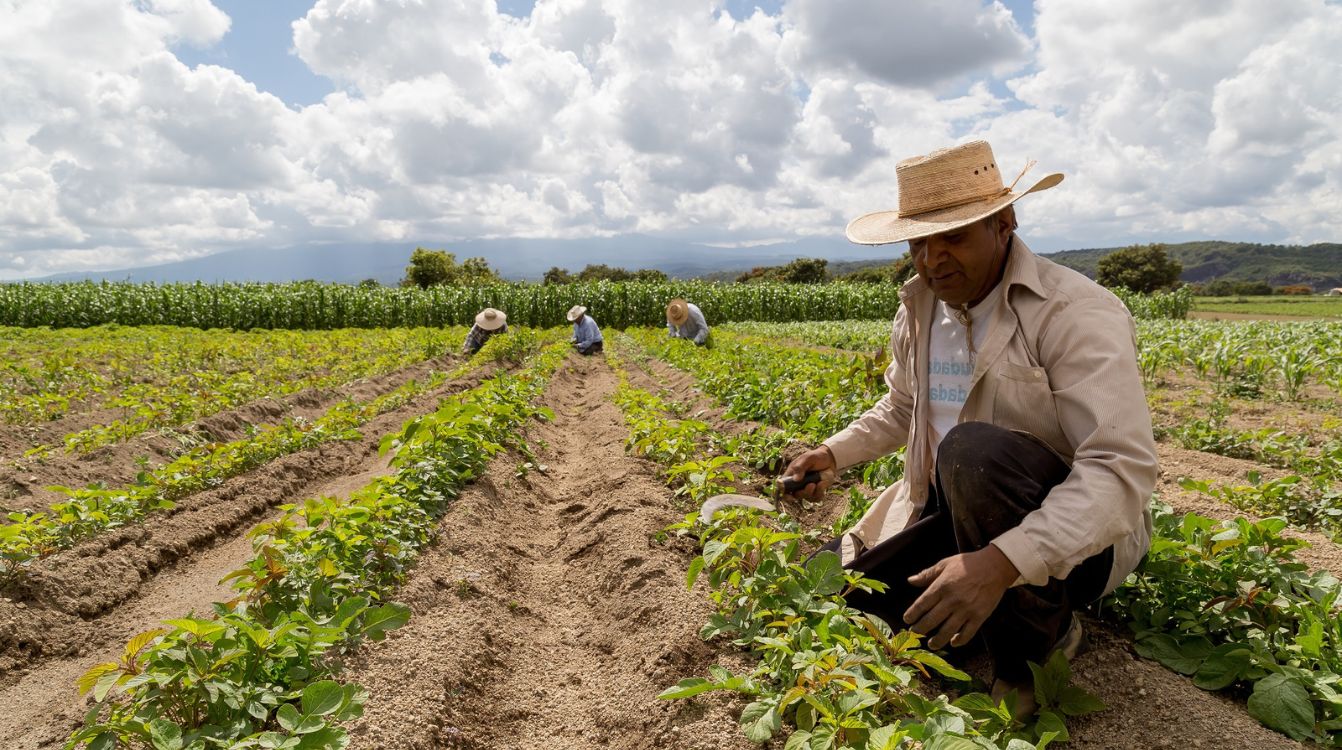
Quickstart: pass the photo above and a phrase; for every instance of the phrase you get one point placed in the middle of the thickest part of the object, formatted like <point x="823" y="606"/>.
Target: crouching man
<point x="1030" y="461"/>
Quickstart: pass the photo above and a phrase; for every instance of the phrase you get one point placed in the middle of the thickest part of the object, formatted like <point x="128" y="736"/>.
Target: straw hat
<point x="491" y="319"/>
<point x="576" y="312"/>
<point x="947" y="189"/>
<point x="677" y="312"/>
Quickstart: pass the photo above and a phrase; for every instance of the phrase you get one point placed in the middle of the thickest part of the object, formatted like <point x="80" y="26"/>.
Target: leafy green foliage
<point x="799" y="271"/>
<point x="1139" y="268"/>
<point x="1228" y="604"/>
<point x="813" y="393"/>
<point x="310" y="305"/>
<point x="842" y="678"/>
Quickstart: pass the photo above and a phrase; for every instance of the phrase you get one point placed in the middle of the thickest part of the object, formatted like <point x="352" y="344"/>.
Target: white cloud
<point x="594" y="117"/>
<point x="907" y="43"/>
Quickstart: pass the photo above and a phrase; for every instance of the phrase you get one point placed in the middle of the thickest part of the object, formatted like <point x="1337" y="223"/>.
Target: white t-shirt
<point x="950" y="364"/>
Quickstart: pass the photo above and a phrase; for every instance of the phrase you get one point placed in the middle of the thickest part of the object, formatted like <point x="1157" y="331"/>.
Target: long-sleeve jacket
<point x="585" y="332"/>
<point x="1060" y="364"/>
<point x="694" y="328"/>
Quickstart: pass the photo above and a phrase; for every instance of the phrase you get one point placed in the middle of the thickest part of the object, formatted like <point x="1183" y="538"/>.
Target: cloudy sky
<point x="135" y="132"/>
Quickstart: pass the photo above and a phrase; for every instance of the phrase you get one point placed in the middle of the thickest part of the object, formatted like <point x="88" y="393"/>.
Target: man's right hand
<point x="818" y="459"/>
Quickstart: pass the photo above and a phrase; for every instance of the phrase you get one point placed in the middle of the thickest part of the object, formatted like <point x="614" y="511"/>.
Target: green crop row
<point x="1245" y="358"/>
<point x="1226" y="603"/>
<point x="257" y="673"/>
<point x="817" y="393"/>
<point x="95" y="509"/>
<point x="162" y="376"/>
<point x="312" y="305"/>
<point x="1213" y="434"/>
<point x="839" y="678"/>
<point x="1238" y="358"/>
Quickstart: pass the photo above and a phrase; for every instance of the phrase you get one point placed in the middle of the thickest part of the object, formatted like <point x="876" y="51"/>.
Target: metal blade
<point x="718" y="502"/>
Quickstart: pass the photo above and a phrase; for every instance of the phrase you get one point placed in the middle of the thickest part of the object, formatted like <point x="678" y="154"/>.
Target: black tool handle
<point x="790" y="485"/>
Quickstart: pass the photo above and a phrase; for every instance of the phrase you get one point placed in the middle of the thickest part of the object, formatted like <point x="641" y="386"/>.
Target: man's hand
<point x="962" y="591"/>
<point x="817" y="459"/>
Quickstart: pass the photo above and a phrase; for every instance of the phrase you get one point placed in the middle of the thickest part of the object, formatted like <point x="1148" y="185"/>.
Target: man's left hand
<point x="962" y="591"/>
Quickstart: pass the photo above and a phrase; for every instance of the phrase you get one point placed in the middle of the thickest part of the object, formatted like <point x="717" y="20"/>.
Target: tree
<point x="806" y="271"/>
<point x="892" y="273"/>
<point x="1229" y="288"/>
<point x="436" y="267"/>
<point x="369" y="284"/>
<point x="648" y="274"/>
<point x="429" y="268"/>
<point x="557" y="275"/>
<point x="799" y="271"/>
<point x="475" y="271"/>
<point x="1140" y="268"/>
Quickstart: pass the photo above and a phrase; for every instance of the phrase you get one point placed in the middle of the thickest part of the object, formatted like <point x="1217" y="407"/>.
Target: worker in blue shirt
<point x="684" y="320"/>
<point x="586" y="336"/>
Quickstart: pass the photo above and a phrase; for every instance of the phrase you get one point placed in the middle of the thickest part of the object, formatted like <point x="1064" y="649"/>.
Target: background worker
<point x="488" y="322"/>
<point x="1030" y="461"/>
<point x="586" y="335"/>
<point x="684" y="320"/>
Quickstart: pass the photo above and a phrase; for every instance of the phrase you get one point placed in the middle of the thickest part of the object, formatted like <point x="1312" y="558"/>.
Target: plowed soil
<point x="546" y="617"/>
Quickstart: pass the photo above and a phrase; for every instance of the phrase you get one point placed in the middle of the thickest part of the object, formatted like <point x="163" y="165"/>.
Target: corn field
<point x="310" y="305"/>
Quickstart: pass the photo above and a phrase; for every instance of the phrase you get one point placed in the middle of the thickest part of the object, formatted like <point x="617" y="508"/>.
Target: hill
<point x="1319" y="266"/>
<point x="515" y="259"/>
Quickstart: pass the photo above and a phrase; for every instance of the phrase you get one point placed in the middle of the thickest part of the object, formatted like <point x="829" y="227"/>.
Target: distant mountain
<point x="1319" y="266"/>
<point x="836" y="268"/>
<point x="513" y="258"/>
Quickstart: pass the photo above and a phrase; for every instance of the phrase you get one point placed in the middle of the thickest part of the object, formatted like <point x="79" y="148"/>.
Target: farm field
<point x="423" y="550"/>
<point x="1294" y="307"/>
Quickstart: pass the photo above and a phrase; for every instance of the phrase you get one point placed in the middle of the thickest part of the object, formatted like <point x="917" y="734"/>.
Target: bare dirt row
<point x="545" y="616"/>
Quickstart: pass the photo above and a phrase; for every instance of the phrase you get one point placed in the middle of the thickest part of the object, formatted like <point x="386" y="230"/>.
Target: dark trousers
<point x="593" y="348"/>
<point x="987" y="480"/>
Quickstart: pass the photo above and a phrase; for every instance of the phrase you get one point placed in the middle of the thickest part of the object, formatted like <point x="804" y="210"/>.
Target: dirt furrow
<point x="24" y="481"/>
<point x="43" y="707"/>
<point x="546" y="617"/>
<point x="64" y="597"/>
<point x="1176" y="463"/>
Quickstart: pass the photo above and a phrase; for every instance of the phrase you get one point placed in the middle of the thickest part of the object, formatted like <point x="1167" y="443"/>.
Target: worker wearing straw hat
<point x="1014" y="386"/>
<point x="488" y="322"/>
<point x="684" y="320"/>
<point x="586" y="335"/>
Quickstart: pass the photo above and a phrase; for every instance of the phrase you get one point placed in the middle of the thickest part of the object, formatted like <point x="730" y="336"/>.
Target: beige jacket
<point x="1059" y="363"/>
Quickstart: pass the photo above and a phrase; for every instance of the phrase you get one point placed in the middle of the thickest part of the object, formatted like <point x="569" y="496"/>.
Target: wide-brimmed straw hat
<point x="491" y="319"/>
<point x="576" y="312"/>
<point x="677" y="311"/>
<point x="944" y="190"/>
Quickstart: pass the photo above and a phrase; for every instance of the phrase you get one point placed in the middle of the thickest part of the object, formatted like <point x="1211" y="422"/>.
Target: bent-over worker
<point x="488" y="322"/>
<point x="1030" y="460"/>
<point x="684" y="320"/>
